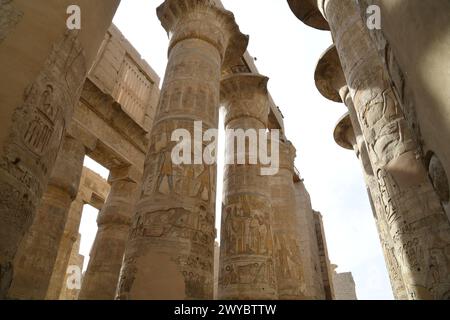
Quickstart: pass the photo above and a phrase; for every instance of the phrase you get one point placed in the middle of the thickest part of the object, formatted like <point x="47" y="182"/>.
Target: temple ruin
<point x="69" y="94"/>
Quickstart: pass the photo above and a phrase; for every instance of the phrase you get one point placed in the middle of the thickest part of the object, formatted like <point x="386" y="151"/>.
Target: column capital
<point x="344" y="134"/>
<point x="202" y="19"/>
<point x="310" y="13"/>
<point x="329" y="76"/>
<point x="237" y="90"/>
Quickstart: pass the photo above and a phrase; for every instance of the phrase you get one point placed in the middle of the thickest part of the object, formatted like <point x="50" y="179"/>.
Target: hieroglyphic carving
<point x="179" y="200"/>
<point x="289" y="259"/>
<point x="261" y="273"/>
<point x="196" y="226"/>
<point x="162" y="176"/>
<point x="35" y="138"/>
<point x="384" y="126"/>
<point x="418" y="223"/>
<point x="247" y="229"/>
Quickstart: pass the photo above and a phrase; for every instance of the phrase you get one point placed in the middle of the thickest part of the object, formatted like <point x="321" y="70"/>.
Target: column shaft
<point x="246" y="260"/>
<point x="387" y="243"/>
<point x="75" y="261"/>
<point x="66" y="244"/>
<point x="170" y="254"/>
<point x="37" y="253"/>
<point x="38" y="98"/>
<point x="289" y="264"/>
<point x="309" y="249"/>
<point x="114" y="220"/>
<point x="416" y="220"/>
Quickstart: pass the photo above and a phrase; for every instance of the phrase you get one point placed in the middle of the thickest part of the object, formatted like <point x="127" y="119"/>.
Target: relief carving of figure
<point x="386" y="198"/>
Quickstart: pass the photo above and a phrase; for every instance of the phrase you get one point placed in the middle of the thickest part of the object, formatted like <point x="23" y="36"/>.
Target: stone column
<point x="309" y="248"/>
<point x="102" y="275"/>
<point x="330" y="82"/>
<point x="345" y="136"/>
<point x="170" y="252"/>
<point x="48" y="65"/>
<point x="66" y="244"/>
<point x="247" y="257"/>
<point x="76" y="260"/>
<point x="417" y="222"/>
<point x="325" y="265"/>
<point x="289" y="264"/>
<point x="37" y="253"/>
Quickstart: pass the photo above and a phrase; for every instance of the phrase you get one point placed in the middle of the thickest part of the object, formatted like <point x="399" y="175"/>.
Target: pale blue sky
<point x="287" y="52"/>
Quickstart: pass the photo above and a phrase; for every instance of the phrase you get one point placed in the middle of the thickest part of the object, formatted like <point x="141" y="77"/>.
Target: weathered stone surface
<point x="325" y="265"/>
<point x="93" y="191"/>
<point x="413" y="44"/>
<point x="344" y="285"/>
<point x="247" y="264"/>
<point x="114" y="220"/>
<point x="120" y="71"/>
<point x="9" y="17"/>
<point x="170" y="252"/>
<point x="346" y="136"/>
<point x="289" y="264"/>
<point x="75" y="261"/>
<point x="38" y="98"/>
<point x="309" y="246"/>
<point x="330" y="81"/>
<point x="37" y="253"/>
<point x="417" y="223"/>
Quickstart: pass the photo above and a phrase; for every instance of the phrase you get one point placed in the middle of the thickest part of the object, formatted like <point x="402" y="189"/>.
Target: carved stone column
<point x="247" y="238"/>
<point x="65" y="247"/>
<point x="47" y="75"/>
<point x="114" y="220"/>
<point x="170" y="253"/>
<point x="37" y="253"/>
<point x="309" y="250"/>
<point x="330" y="82"/>
<point x="325" y="265"/>
<point x="76" y="260"/>
<point x="289" y="266"/>
<point x="417" y="223"/>
<point x="345" y="136"/>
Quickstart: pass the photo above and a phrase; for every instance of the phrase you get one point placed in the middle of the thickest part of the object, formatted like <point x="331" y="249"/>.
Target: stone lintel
<point x="130" y="173"/>
<point x="75" y="131"/>
<point x="308" y="12"/>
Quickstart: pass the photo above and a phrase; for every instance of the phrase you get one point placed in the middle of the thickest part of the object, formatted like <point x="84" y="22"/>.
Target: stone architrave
<point x="247" y="264"/>
<point x="37" y="253"/>
<point x="416" y="220"/>
<point x="170" y="252"/>
<point x="114" y="220"/>
<point x="330" y="81"/>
